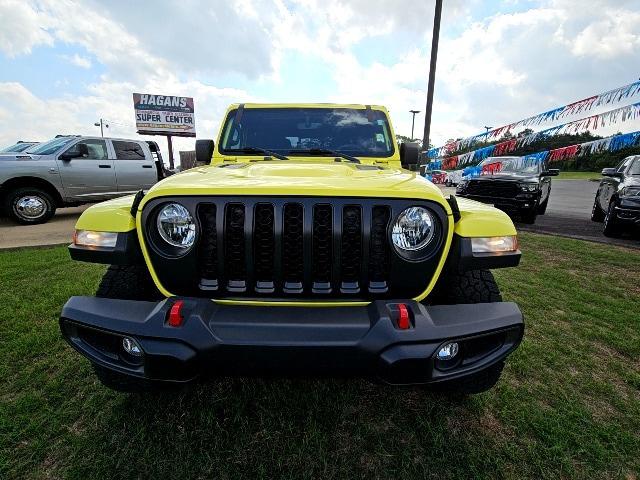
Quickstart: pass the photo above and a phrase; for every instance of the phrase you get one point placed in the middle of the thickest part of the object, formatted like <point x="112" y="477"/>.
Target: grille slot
<point x="351" y="248"/>
<point x="492" y="188"/>
<point x="379" y="254"/>
<point x="322" y="248"/>
<point x="292" y="248"/>
<point x="264" y="247"/>
<point x="208" y="247"/>
<point x="234" y="248"/>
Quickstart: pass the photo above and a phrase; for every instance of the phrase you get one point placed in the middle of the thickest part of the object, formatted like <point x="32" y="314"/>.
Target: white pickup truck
<point x="72" y="170"/>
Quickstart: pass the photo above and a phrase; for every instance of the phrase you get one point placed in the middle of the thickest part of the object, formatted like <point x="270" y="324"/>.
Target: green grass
<point x="568" y="404"/>
<point x="579" y="176"/>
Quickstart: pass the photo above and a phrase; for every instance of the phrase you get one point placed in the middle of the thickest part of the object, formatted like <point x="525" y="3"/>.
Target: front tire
<point x="597" y="215"/>
<point x="529" y="216"/>
<point x="30" y="206"/>
<point x="128" y="282"/>
<point x="611" y="227"/>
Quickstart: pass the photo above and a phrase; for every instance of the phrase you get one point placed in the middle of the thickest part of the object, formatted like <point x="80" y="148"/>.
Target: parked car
<point x="321" y="250"/>
<point x="438" y="176"/>
<point x="72" y="170"/>
<point x="617" y="202"/>
<point x="512" y="184"/>
<point x="454" y="177"/>
<point x="18" y="147"/>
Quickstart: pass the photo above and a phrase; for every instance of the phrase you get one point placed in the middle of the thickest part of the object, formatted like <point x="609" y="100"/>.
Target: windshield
<point x="494" y="165"/>
<point x="635" y="167"/>
<point x="16" y="148"/>
<point x="52" y="146"/>
<point x="297" y="131"/>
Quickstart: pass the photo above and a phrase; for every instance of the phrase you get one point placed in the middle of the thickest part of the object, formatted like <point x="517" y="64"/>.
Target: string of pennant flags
<point x="628" y="112"/>
<point x="608" y="144"/>
<point x="574" y="108"/>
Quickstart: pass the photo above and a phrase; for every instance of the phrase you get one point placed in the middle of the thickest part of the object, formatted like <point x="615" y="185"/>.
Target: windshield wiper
<point x="258" y="150"/>
<point x="324" y="151"/>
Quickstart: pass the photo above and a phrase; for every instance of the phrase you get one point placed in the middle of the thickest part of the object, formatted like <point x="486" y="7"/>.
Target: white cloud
<point x="21" y="29"/>
<point x="78" y="60"/>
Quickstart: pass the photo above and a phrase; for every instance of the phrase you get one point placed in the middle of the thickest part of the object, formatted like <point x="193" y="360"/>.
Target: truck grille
<point x="492" y="188"/>
<point x="303" y="248"/>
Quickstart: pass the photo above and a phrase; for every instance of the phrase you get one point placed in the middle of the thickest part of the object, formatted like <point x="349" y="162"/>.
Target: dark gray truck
<point x="73" y="170"/>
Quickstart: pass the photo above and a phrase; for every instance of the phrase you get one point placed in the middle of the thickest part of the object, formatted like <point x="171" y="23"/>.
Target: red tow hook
<point x="175" y="318"/>
<point x="403" y="317"/>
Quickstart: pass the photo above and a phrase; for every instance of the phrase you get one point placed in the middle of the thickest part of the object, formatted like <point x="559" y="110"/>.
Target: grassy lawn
<point x="568" y="404"/>
<point x="579" y="176"/>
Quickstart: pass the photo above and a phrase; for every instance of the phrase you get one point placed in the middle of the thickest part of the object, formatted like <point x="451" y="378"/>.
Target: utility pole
<point x="101" y="124"/>
<point x="413" y="120"/>
<point x="432" y="74"/>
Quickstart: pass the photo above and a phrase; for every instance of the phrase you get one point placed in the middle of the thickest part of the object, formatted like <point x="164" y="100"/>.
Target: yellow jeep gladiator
<point x="307" y="244"/>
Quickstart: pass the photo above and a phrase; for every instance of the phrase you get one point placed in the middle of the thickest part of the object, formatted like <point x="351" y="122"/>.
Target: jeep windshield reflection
<point x="518" y="165"/>
<point x="307" y="132"/>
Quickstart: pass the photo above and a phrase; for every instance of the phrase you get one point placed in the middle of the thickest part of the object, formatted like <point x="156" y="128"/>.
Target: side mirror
<point x="609" y="172"/>
<point x="204" y="151"/>
<point x="77" y="151"/>
<point x="409" y="154"/>
<point x="552" y="172"/>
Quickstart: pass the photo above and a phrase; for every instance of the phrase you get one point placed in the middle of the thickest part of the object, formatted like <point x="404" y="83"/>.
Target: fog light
<point x="131" y="347"/>
<point x="448" y="351"/>
<point x="89" y="238"/>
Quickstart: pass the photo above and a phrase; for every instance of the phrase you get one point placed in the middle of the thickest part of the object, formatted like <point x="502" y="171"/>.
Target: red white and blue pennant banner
<point x="555" y="114"/>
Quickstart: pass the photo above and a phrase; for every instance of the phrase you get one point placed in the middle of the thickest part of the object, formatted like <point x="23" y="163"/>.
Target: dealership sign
<point x="164" y="115"/>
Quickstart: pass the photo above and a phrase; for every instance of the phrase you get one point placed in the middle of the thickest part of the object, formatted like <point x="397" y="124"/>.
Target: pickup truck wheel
<point x="597" y="215"/>
<point x="30" y="206"/>
<point x="611" y="227"/>
<point x="474" y="286"/>
<point x="128" y="282"/>
<point x="542" y="208"/>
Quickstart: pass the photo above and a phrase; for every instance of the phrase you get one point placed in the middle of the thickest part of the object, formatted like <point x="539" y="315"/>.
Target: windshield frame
<point x="44" y="146"/>
<point x="231" y="116"/>
<point x="491" y="160"/>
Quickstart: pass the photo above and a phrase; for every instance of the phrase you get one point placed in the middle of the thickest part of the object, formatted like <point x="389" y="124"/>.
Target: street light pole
<point x="486" y="135"/>
<point x="432" y="74"/>
<point x="100" y="124"/>
<point x="413" y="121"/>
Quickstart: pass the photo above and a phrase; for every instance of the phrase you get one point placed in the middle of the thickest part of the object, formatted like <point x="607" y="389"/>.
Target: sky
<point x="65" y="64"/>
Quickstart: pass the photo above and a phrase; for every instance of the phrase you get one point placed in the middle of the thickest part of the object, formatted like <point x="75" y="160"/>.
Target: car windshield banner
<point x="164" y="115"/>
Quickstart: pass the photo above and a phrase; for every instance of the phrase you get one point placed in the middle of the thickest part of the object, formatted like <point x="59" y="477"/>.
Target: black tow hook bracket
<point x="136" y="203"/>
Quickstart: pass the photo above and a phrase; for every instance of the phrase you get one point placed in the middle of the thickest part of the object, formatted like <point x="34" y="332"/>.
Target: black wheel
<point x="529" y="216"/>
<point x="473" y="286"/>
<point x="30" y="206"/>
<point x="611" y="227"/>
<point x="542" y="208"/>
<point x="597" y="215"/>
<point x="128" y="282"/>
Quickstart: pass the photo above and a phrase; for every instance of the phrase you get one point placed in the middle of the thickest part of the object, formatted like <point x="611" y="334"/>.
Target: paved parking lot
<point x="568" y="214"/>
<point x="56" y="231"/>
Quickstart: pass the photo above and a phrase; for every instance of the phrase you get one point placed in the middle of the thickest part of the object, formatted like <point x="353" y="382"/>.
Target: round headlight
<point x="176" y="226"/>
<point x="414" y="229"/>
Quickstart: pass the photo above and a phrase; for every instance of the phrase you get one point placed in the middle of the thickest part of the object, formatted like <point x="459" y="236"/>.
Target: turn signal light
<point x="175" y="318"/>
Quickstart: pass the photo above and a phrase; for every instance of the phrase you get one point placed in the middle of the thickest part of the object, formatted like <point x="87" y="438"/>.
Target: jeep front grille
<point x="293" y="248"/>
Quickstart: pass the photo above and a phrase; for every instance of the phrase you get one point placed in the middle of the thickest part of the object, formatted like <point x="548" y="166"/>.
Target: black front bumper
<point x="628" y="209"/>
<point x="234" y="339"/>
<point x="523" y="201"/>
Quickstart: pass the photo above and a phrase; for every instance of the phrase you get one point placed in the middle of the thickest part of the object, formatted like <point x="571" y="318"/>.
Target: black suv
<point x="514" y="184"/>
<point x="617" y="201"/>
